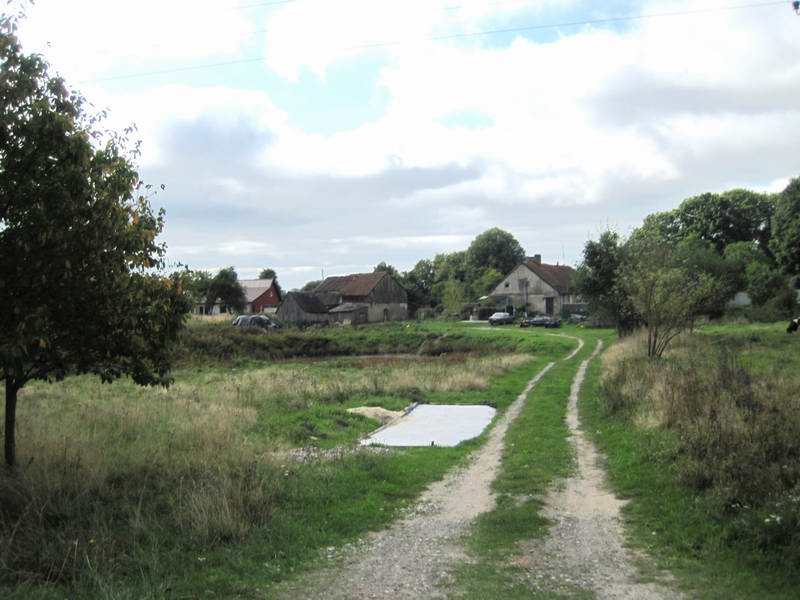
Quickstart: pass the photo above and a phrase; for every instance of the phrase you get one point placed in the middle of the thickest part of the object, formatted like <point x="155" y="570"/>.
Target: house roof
<point x="348" y="307"/>
<point x="358" y="284"/>
<point x="308" y="302"/>
<point x="560" y="277"/>
<point x="253" y="288"/>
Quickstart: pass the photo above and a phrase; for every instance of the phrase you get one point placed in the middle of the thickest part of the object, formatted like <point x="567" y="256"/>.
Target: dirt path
<point x="585" y="547"/>
<point x="411" y="558"/>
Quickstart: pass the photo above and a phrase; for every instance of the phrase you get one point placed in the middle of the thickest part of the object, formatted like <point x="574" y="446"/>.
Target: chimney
<point x="537" y="258"/>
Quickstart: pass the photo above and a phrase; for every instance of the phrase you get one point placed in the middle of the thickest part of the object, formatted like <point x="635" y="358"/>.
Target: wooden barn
<point x="384" y="298"/>
<point x="304" y="308"/>
<point x="534" y="286"/>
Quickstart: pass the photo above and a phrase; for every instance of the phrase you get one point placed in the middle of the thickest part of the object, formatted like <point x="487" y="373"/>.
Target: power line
<point x="455" y="36"/>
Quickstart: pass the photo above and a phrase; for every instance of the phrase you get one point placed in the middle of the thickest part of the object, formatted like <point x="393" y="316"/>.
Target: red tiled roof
<point x="358" y="284"/>
<point x="560" y="277"/>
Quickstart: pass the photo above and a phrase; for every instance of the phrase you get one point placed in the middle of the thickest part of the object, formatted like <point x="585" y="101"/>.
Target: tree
<point x="665" y="292"/>
<point x="723" y="219"/>
<point x="77" y="243"/>
<point x="785" y="242"/>
<point x="495" y="249"/>
<point x="225" y="288"/>
<point x="453" y="296"/>
<point x="310" y="286"/>
<point x="419" y="284"/>
<point x="386" y="268"/>
<point x="271" y="274"/>
<point x="485" y="281"/>
<point x="196" y="284"/>
<point x="598" y="282"/>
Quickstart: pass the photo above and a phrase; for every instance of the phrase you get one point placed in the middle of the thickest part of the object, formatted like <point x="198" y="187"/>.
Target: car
<point x="541" y="321"/>
<point x="501" y="318"/>
<point x="255" y="322"/>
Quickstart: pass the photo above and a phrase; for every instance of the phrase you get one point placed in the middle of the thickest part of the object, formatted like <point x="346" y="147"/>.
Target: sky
<point x="315" y="136"/>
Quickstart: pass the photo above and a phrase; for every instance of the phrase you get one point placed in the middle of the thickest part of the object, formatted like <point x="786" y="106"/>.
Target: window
<point x="506" y="284"/>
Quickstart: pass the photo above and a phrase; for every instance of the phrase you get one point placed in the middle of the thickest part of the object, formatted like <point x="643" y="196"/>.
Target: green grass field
<point x="704" y="445"/>
<point x="128" y="492"/>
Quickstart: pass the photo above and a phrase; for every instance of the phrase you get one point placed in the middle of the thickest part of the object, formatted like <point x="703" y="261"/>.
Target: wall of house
<point x="269" y="299"/>
<point x="291" y="312"/>
<point x="396" y="311"/>
<point x="538" y="291"/>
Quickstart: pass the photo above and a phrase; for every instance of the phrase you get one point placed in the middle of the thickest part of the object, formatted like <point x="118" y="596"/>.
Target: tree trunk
<point x="11" y="416"/>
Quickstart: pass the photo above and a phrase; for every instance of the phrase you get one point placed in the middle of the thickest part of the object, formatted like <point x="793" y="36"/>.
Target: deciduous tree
<point x="77" y="243"/>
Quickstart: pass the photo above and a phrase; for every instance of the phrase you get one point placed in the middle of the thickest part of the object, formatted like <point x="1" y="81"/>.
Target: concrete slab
<point x="444" y="425"/>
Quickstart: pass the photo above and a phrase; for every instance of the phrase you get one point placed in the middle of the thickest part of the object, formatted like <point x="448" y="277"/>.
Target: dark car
<point x="501" y="318"/>
<point x="255" y="322"/>
<point x="541" y="321"/>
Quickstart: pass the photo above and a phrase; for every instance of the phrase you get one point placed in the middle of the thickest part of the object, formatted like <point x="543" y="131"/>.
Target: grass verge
<point x="653" y="446"/>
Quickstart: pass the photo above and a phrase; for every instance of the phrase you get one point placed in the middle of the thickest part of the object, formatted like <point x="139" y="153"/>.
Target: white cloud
<point x="88" y="38"/>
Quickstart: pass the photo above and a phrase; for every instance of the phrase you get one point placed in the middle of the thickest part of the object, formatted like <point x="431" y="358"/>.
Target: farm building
<point x="536" y="287"/>
<point x="358" y="298"/>
<point x="261" y="296"/>
<point x="302" y="307"/>
<point x="384" y="297"/>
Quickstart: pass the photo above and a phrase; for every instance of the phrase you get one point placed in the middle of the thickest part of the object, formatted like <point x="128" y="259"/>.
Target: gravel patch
<point x="585" y="548"/>
<point x="413" y="557"/>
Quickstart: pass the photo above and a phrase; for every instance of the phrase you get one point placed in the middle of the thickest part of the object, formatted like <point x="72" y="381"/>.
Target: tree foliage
<point x="598" y="282"/>
<point x="785" y="242"/>
<point x="666" y="293"/>
<point x="272" y="274"/>
<point x="225" y="288"/>
<point x="77" y="242"/>
<point x="495" y="249"/>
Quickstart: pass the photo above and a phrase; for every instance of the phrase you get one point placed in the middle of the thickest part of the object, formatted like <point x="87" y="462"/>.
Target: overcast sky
<point x="337" y="134"/>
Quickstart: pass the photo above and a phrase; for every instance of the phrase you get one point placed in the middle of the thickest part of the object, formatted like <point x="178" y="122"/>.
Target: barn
<point x="303" y="308"/>
<point x="534" y="286"/>
<point x="384" y="298"/>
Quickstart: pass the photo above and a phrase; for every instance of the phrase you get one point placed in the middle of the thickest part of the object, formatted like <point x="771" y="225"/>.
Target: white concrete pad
<point x="444" y="425"/>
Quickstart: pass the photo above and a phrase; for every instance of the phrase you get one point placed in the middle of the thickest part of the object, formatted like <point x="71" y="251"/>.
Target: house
<point x="384" y="297"/>
<point x="357" y="298"/>
<point x="302" y="307"/>
<point x="261" y="295"/>
<point x="534" y="286"/>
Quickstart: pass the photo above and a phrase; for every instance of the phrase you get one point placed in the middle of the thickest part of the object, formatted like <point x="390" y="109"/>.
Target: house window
<point x="523" y="285"/>
<point x="506" y="284"/>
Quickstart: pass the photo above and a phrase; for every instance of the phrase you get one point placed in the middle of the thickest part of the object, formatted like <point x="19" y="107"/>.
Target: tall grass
<point x="114" y="477"/>
<point x="735" y="418"/>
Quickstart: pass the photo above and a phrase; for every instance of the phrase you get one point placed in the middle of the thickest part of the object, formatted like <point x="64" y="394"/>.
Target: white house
<point x="537" y="287"/>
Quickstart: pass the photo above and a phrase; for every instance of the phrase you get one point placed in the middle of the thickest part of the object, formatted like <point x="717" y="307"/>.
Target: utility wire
<point x="455" y="36"/>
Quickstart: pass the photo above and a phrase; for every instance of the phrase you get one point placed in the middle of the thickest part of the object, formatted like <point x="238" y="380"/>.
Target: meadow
<point x="130" y="492"/>
<point x="705" y="445"/>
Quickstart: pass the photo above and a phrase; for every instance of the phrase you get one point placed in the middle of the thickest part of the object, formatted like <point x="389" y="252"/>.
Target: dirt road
<point x="584" y="551"/>
<point x="411" y="559"/>
<point x="585" y="547"/>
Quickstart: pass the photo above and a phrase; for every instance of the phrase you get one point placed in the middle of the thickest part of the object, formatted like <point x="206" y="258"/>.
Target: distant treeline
<point x="691" y="261"/>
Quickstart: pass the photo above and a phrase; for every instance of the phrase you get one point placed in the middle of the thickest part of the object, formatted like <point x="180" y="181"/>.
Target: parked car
<point x="541" y="321"/>
<point x="255" y="321"/>
<point x="501" y="318"/>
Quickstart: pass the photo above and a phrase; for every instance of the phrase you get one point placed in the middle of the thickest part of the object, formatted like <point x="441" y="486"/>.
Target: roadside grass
<point x="698" y="445"/>
<point x="127" y="492"/>
<point x="537" y="454"/>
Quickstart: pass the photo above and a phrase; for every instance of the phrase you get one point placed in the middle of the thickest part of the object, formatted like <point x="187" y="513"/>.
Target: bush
<point x="737" y="430"/>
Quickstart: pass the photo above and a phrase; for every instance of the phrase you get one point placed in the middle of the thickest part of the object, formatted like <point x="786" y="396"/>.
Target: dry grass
<point x="735" y="420"/>
<point x="107" y="471"/>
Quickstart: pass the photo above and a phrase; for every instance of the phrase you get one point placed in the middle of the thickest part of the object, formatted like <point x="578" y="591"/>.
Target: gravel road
<point x="411" y="559"/>
<point x="585" y="548"/>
